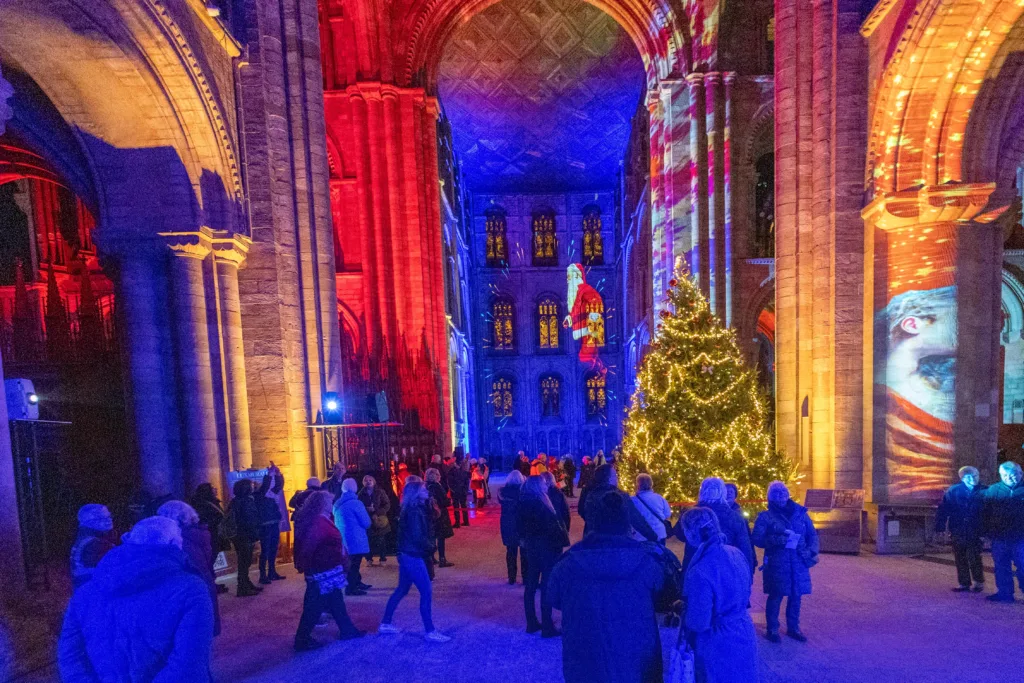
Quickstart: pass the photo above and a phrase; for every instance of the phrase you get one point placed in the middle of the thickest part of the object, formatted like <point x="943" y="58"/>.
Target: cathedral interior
<point x="455" y="221"/>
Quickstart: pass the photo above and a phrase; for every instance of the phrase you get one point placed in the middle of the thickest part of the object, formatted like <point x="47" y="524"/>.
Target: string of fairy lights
<point x="697" y="410"/>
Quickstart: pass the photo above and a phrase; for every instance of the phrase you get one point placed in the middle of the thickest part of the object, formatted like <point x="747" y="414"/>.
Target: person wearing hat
<point x="605" y="587"/>
<point x="95" y="539"/>
<point x="146" y="614"/>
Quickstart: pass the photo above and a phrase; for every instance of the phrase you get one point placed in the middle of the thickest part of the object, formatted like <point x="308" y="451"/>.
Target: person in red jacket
<point x="320" y="556"/>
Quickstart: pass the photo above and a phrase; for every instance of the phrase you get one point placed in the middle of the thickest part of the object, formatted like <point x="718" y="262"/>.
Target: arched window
<point x="593" y="243"/>
<point x="501" y="397"/>
<point x="547" y="323"/>
<point x="597" y="328"/>
<point x="550" y="396"/>
<point x="764" y="207"/>
<point x="496" y="227"/>
<point x="502" y="314"/>
<point x="597" y="394"/>
<point x="545" y="243"/>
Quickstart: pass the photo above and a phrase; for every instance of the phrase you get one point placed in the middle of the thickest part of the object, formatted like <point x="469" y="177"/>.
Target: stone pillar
<point x="701" y="262"/>
<point x="661" y="246"/>
<point x="140" y="282"/>
<point x="229" y="255"/>
<point x="728" y="78"/>
<point x="715" y="121"/>
<point x="937" y="288"/>
<point x="192" y="343"/>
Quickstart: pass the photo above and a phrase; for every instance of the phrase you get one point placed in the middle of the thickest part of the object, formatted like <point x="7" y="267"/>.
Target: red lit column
<point x="728" y="78"/>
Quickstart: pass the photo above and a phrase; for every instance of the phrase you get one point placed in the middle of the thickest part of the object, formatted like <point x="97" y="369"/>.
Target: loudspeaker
<point x="383" y="414"/>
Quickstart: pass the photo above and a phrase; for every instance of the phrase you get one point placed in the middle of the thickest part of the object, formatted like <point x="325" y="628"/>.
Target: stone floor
<point x="871" y="618"/>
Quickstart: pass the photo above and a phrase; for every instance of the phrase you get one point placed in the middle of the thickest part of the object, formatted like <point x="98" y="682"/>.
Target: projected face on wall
<point x="586" y="316"/>
<point x="918" y="332"/>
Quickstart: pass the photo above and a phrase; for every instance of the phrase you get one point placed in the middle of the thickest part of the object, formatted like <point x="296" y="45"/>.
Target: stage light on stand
<point x="332" y="408"/>
<point x="22" y="399"/>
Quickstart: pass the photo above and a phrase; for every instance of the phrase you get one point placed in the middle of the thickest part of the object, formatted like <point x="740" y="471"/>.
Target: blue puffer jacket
<point x="786" y="571"/>
<point x="144" y="616"/>
<point x="352" y="519"/>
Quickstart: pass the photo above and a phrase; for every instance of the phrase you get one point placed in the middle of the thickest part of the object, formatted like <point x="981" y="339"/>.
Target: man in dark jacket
<point x="145" y="614"/>
<point x="458" y="480"/>
<point x="95" y="539"/>
<point x="270" y="523"/>
<point x="245" y="520"/>
<point x="569" y="468"/>
<point x="604" y="586"/>
<point x="605" y="479"/>
<point x="1004" y="523"/>
<point x="299" y="497"/>
<point x="523" y="464"/>
<point x="334" y="483"/>
<point x="960" y="510"/>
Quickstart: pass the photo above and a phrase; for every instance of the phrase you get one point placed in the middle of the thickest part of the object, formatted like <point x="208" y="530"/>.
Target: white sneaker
<point x="387" y="629"/>
<point x="437" y="637"/>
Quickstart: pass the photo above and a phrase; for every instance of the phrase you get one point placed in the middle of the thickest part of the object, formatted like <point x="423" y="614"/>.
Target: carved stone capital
<point x="231" y="249"/>
<point x="195" y="245"/>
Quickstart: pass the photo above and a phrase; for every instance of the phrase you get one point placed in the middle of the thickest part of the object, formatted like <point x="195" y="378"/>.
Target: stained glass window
<point x="593" y="242"/>
<point x="550" y="396"/>
<point x="503" y="325"/>
<point x="547" y="323"/>
<point x="496" y="227"/>
<point x="545" y="243"/>
<point x="501" y="397"/>
<point x="597" y="394"/>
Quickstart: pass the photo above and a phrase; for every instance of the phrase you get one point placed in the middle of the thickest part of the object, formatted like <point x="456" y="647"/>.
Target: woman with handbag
<point x="653" y="506"/>
<point x="542" y="535"/>
<point x="443" y="523"/>
<point x="790" y="543"/>
<point x="377" y="506"/>
<point x="320" y="556"/>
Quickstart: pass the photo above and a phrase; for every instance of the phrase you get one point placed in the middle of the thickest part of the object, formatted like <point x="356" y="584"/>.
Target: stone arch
<point x="928" y="89"/>
<point x="660" y="29"/>
<point x="140" y="103"/>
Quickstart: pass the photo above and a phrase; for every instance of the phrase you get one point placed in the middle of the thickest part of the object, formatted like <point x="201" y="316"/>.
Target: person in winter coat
<point x="732" y="523"/>
<point x="790" y="544"/>
<point x="605" y="586"/>
<point x="523" y="464"/>
<point x="569" y="470"/>
<point x="508" y="498"/>
<point x="960" y="511"/>
<point x="245" y="518"/>
<point x="586" y="472"/>
<point x="299" y="497"/>
<point x="443" y="524"/>
<point x="333" y="484"/>
<point x="211" y="515"/>
<point x="145" y="615"/>
<point x="717" y="589"/>
<point x="542" y="535"/>
<point x="268" y="503"/>
<point x="1004" y="524"/>
<point x="606" y="479"/>
<point x="539" y="465"/>
<point x="478" y="484"/>
<point x="320" y="556"/>
<point x="352" y="519"/>
<point x="458" y="480"/>
<point x="195" y="543"/>
<point x="378" y="505"/>
<point x="416" y="544"/>
<point x="95" y="539"/>
<point x="654" y="508"/>
<point x="558" y="501"/>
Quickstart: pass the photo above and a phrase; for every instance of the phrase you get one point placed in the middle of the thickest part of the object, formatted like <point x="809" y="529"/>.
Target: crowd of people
<point x="156" y="590"/>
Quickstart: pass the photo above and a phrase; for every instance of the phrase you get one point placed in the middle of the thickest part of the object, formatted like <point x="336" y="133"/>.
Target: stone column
<point x="229" y="255"/>
<point x="937" y="287"/>
<point x="728" y="78"/>
<point x="701" y="263"/>
<point x="192" y="343"/>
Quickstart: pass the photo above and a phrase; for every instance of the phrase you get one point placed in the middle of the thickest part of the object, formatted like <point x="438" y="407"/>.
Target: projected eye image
<point x="918" y="330"/>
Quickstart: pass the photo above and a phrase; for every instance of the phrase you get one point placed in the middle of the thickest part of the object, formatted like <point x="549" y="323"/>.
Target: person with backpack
<point x="243" y="528"/>
<point x="653" y="506"/>
<point x="605" y="586"/>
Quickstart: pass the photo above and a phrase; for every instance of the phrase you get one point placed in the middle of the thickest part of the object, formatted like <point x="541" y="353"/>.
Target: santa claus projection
<point x="586" y="316"/>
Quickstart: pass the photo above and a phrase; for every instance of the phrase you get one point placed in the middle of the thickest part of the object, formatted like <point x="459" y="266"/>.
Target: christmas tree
<point x="697" y="410"/>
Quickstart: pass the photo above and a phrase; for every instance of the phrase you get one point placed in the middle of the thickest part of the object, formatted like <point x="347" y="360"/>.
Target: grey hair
<point x="712" y="490"/>
<point x="644" y="482"/>
<point x="154" y="531"/>
<point x="432" y="474"/>
<point x="181" y="512"/>
<point x="370" y="479"/>
<point x="777" y="490"/>
<point x="964" y="471"/>
<point x="313" y="483"/>
<point x="350" y="485"/>
<point x="1010" y="466"/>
<point x="699" y="525"/>
<point x="515" y="478"/>
<point x="548" y="478"/>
